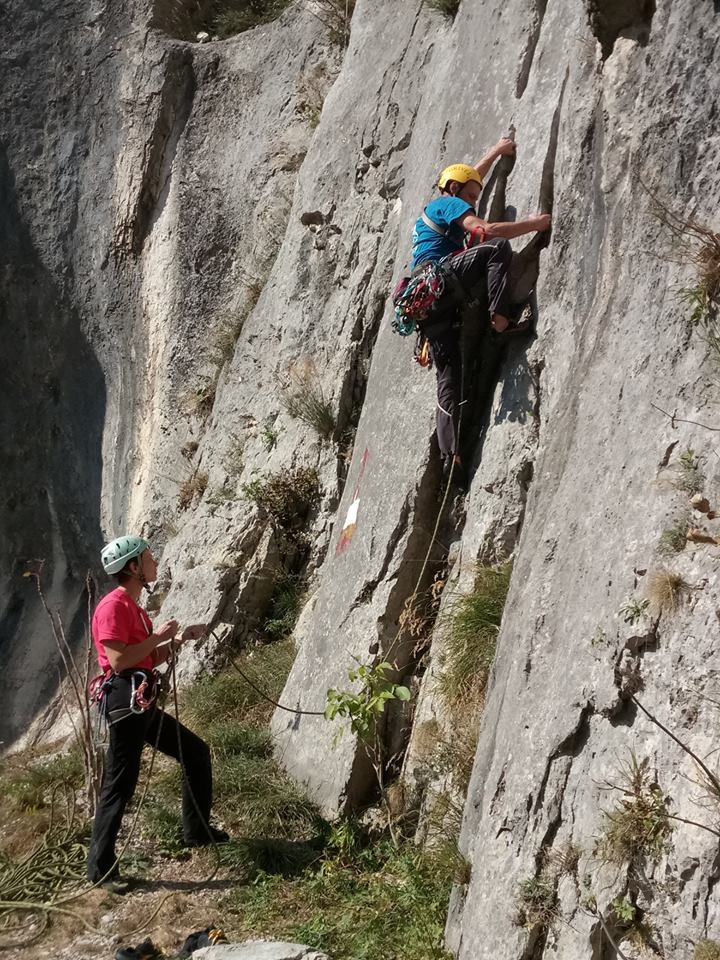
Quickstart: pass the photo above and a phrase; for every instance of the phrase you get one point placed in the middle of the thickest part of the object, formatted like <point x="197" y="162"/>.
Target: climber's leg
<point x="489" y="262"/>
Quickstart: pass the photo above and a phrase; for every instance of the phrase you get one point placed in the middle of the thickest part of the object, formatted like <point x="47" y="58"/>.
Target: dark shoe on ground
<point x="205" y="840"/>
<point x="143" y="951"/>
<point x="117" y="884"/>
<point x="203" y="938"/>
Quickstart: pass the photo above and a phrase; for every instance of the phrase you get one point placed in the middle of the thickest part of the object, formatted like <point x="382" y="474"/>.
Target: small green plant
<point x="625" y="911"/>
<point x="192" y="489"/>
<point x="707" y="950"/>
<point x="287" y="497"/>
<point x="448" y="8"/>
<point x="536" y="903"/>
<point x="304" y="400"/>
<point x="665" y="590"/>
<point x="365" y="706"/>
<point x="673" y="539"/>
<point x="235" y="16"/>
<point x="599" y="638"/>
<point x="638" y="828"/>
<point x="269" y="436"/>
<point x="335" y="15"/>
<point x="699" y="247"/>
<point x="690" y="477"/>
<point x="634" y="609"/>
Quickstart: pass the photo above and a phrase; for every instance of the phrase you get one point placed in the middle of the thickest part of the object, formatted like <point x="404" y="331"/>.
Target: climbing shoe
<point x="458" y="480"/>
<point x="143" y="951"/>
<point x="203" y="938"/>
<point x="204" y="840"/>
<point x="521" y="319"/>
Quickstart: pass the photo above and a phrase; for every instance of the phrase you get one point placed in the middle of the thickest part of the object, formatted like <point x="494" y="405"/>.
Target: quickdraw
<point x="414" y="296"/>
<point x="144" y="694"/>
<point x="422" y="355"/>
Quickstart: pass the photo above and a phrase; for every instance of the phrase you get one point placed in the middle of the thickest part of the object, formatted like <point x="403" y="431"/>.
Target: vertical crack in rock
<point x="525" y="268"/>
<point x="529" y="55"/>
<point x="394" y="644"/>
<point x="610" y="19"/>
<point x="370" y="586"/>
<point x="176" y="100"/>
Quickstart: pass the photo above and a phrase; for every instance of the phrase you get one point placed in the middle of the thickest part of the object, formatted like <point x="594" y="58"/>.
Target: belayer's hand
<point x="166" y="632"/>
<point x="505" y="147"/>
<point x="194" y="632"/>
<point x="543" y="221"/>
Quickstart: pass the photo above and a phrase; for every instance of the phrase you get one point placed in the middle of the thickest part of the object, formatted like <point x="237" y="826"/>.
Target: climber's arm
<point x="472" y="224"/>
<point x="504" y="147"/>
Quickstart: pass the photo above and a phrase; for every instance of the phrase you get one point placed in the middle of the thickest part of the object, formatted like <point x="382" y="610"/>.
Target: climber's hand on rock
<point x="543" y="221"/>
<point x="194" y="632"/>
<point x="505" y="147"/>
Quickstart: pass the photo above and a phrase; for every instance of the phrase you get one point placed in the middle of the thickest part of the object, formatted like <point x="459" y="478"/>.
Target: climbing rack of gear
<point x="414" y="297"/>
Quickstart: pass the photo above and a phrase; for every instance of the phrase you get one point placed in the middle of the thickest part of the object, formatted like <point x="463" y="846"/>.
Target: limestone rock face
<point x="188" y="231"/>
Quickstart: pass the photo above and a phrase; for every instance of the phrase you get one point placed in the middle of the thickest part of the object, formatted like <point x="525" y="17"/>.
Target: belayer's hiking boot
<point x="117" y="884"/>
<point x="203" y="938"/>
<point x="208" y="837"/>
<point x="143" y="951"/>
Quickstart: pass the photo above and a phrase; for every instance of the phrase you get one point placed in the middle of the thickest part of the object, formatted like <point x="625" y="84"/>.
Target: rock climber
<point x="129" y="650"/>
<point x="475" y="253"/>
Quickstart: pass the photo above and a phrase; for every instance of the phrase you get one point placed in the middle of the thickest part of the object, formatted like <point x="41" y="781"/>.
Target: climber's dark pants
<point x="122" y="769"/>
<point x="479" y="268"/>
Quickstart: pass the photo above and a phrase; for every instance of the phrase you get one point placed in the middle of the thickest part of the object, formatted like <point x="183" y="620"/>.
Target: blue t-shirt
<point x="429" y="245"/>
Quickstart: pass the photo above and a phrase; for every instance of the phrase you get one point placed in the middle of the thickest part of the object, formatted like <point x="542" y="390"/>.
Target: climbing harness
<point x="146" y="686"/>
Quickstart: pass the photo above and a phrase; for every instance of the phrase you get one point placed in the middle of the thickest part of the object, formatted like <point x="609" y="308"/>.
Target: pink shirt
<point x="117" y="617"/>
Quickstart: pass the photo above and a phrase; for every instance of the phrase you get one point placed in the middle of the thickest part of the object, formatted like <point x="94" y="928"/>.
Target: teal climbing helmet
<point x="116" y="554"/>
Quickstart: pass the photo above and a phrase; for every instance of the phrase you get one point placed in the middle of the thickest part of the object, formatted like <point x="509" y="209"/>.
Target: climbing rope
<point x="265" y="696"/>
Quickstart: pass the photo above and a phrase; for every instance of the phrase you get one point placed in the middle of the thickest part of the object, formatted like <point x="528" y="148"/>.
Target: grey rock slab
<point x="260" y="950"/>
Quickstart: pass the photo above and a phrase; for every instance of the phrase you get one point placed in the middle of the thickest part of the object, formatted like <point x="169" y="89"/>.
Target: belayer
<point x="471" y="254"/>
<point x="129" y="649"/>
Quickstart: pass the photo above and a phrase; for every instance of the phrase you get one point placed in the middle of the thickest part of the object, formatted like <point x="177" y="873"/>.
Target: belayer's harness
<point x="145" y="688"/>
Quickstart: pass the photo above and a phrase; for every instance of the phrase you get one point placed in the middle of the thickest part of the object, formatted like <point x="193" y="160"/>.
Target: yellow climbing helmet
<point x="460" y="173"/>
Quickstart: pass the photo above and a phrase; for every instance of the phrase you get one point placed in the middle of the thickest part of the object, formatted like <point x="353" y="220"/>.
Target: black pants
<point x="483" y="267"/>
<point x="122" y="769"/>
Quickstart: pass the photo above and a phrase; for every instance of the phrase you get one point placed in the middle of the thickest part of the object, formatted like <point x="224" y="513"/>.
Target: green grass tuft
<point x="285" y="607"/>
<point x="383" y="902"/>
<point x="673" y="539"/>
<point x="287" y="497"/>
<point x="707" y="950"/>
<point x="448" y="8"/>
<point x="637" y="829"/>
<point x="474" y="621"/>
<point x="30" y="787"/>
